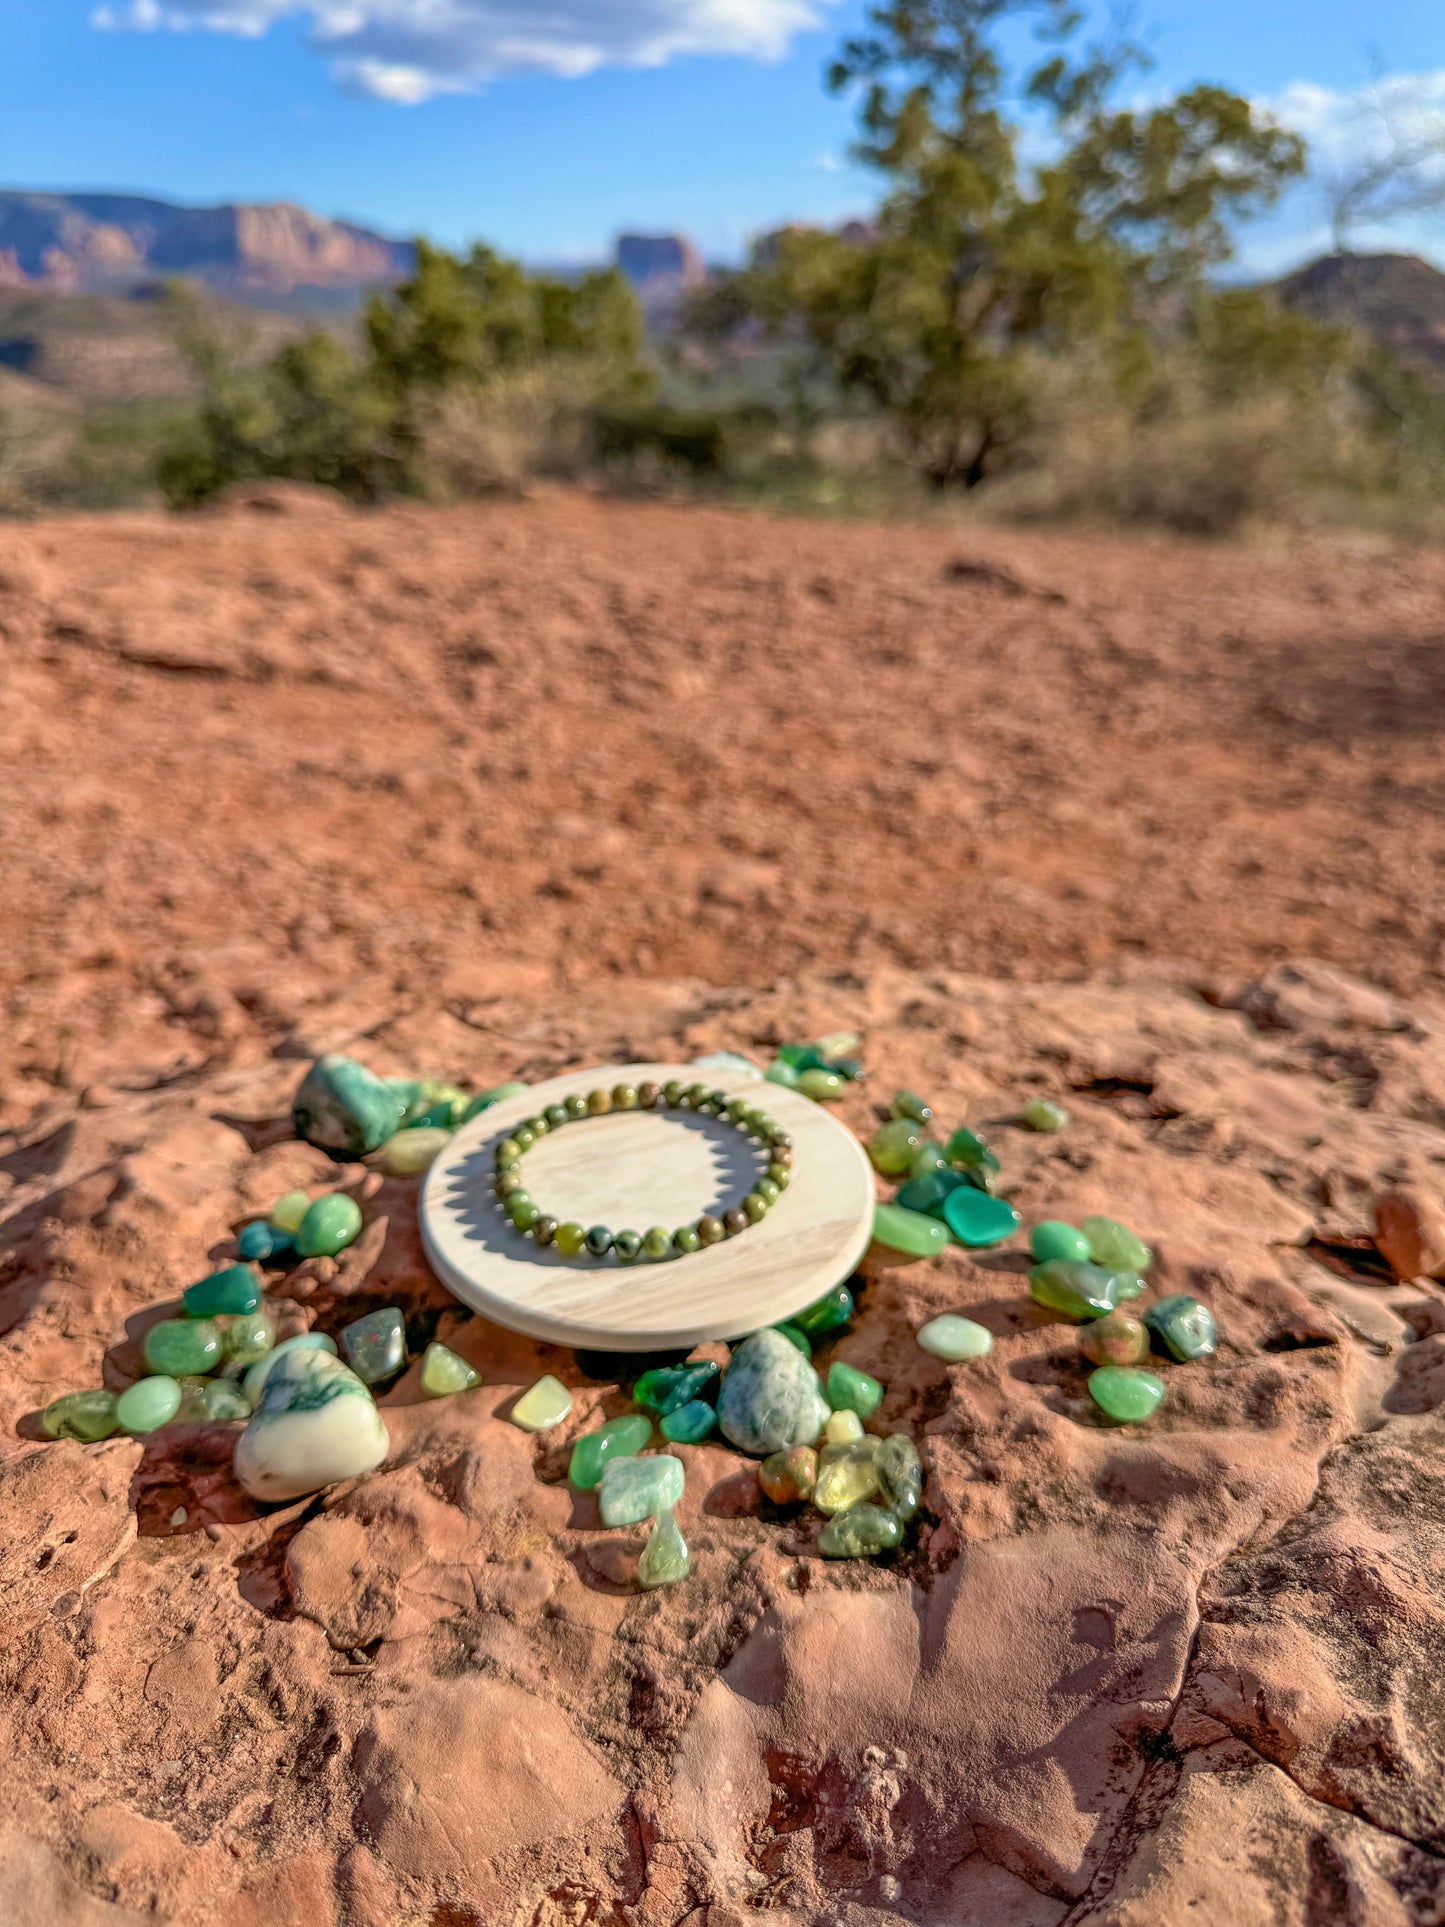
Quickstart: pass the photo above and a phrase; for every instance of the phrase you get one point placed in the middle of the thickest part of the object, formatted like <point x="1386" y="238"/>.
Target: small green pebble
<point x="249" y="1337"/>
<point x="148" y="1404"/>
<point x="824" y="1087"/>
<point x="976" y="1219"/>
<point x="330" y="1225"/>
<point x="207" y="1401"/>
<point x="802" y="1057"/>
<point x="1052" y="1238"/>
<point x="619" y="1438"/>
<point x="88" y="1416"/>
<point x="665" y="1558"/>
<point x="860" y="1532"/>
<point x="909" y="1231"/>
<point x="177" y="1347"/>
<point x="636" y="1489"/>
<point x="234" y="1290"/>
<point x="290" y="1210"/>
<point x="955" y="1338"/>
<point x="827" y="1313"/>
<point x="892" y="1146"/>
<point x="569" y="1239"/>
<point x="1112" y="1244"/>
<point x="838" y="1043"/>
<point x="686" y="1424"/>
<point x="542" y="1406"/>
<point x="685" y="1239"/>
<point x="443" y="1372"/>
<point x="910" y="1104"/>
<point x="795" y="1335"/>
<point x="1126" y="1395"/>
<point x="1042" y="1114"/>
<point x="656" y="1244"/>
<point x="850" y="1390"/>
<point x="1117" y="1338"/>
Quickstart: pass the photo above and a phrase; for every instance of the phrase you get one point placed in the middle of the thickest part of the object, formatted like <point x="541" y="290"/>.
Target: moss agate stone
<point x="686" y="1424"/>
<point x="88" y="1416"/>
<point x="1111" y="1244"/>
<point x="859" y="1533"/>
<point x="667" y="1387"/>
<point x="850" y="1390"/>
<point x="636" y="1489"/>
<point x="443" y="1372"/>
<point x="846" y="1474"/>
<point x="233" y="1290"/>
<point x="908" y="1231"/>
<point x="827" y="1313"/>
<point x="1183" y="1327"/>
<point x="1117" y="1338"/>
<point x="1080" y="1290"/>
<point x="976" y="1219"/>
<point x="411" y="1151"/>
<point x="1052" y="1238"/>
<point x="342" y="1108"/>
<point x="249" y="1337"/>
<point x="900" y="1474"/>
<point x="787" y="1477"/>
<point x="315" y="1423"/>
<point x="542" y="1406"/>
<point x="770" y="1397"/>
<point x="330" y="1225"/>
<point x="619" y="1438"/>
<point x="665" y="1558"/>
<point x="1042" y="1114"/>
<point x="955" y="1338"/>
<point x="180" y="1347"/>
<point x="375" y="1346"/>
<point x="256" y="1377"/>
<point x="1126" y="1395"/>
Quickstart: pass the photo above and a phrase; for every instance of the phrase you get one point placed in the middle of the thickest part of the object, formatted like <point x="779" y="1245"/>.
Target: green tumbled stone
<point x="249" y="1337"/>
<point x="1079" y="1290"/>
<point x="1112" y="1244"/>
<point x="928" y="1157"/>
<point x="665" y="1558"/>
<point x="1042" y="1114"/>
<point x="910" y="1231"/>
<point x="849" y="1390"/>
<point x="955" y="1338"/>
<point x="180" y="1346"/>
<point x="619" y="1438"/>
<point x="235" y="1289"/>
<point x="1052" y="1238"/>
<point x="827" y="1313"/>
<point x="968" y="1150"/>
<point x="342" y="1107"/>
<point x="781" y="1074"/>
<point x="928" y="1191"/>
<point x="484" y="1100"/>
<point x="289" y="1211"/>
<point x="686" y="1424"/>
<point x="443" y="1372"/>
<point x="432" y="1104"/>
<point x="976" y="1219"/>
<point x="843" y="1428"/>
<point x="850" y="1068"/>
<point x="544" y="1405"/>
<point x="900" y="1474"/>
<point x="314" y="1424"/>
<point x="256" y="1377"/>
<point x="1183" y="1326"/>
<point x="1128" y="1396"/>
<point x="1115" y="1339"/>
<point x="859" y="1533"/>
<point x="795" y="1335"/>
<point x="375" y="1346"/>
<point x="910" y="1104"/>
<point x="87" y="1416"/>
<point x="892" y="1146"/>
<point x="330" y="1225"/>
<point x="148" y="1404"/>
<point x="824" y="1087"/>
<point x="411" y="1152"/>
<point x="657" y="1244"/>
<point x="666" y="1387"/>
<point x="209" y="1401"/>
<point x="846" y="1474"/>
<point x="263" y="1243"/>
<point x="802" y="1057"/>
<point x="838" y="1043"/>
<point x="636" y="1489"/>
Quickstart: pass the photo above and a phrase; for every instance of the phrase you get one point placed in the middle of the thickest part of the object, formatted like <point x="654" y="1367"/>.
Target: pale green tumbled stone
<point x="1113" y="1245"/>
<point x="892" y="1145"/>
<point x="1052" y="1238"/>
<point x="955" y="1338"/>
<point x="88" y="1416"/>
<point x="303" y="1342"/>
<point x="330" y="1225"/>
<point x="315" y="1423"/>
<point x="908" y="1231"/>
<point x="1126" y="1394"/>
<point x="770" y="1397"/>
<point x="411" y="1151"/>
<point x="636" y="1489"/>
<point x="1042" y="1114"/>
<point x="544" y="1405"/>
<point x="148" y="1404"/>
<point x="843" y="1428"/>
<point x="859" y="1533"/>
<point x="665" y="1558"/>
<point x="443" y="1372"/>
<point x="928" y="1157"/>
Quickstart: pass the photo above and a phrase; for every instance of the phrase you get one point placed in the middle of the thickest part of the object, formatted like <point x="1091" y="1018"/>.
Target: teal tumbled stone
<point x="259" y="1242"/>
<point x="666" y="1387"/>
<point x="927" y="1191"/>
<point x="330" y="1225"/>
<point x="148" y="1404"/>
<point x="1079" y="1290"/>
<point x="634" y="1489"/>
<point x="1184" y="1327"/>
<point x="976" y="1219"/>
<point x="178" y="1347"/>
<point x="900" y="1473"/>
<point x="909" y="1231"/>
<point x="860" y="1532"/>
<point x="1126" y="1394"/>
<point x="341" y="1107"/>
<point x="88" y="1416"/>
<point x="686" y="1424"/>
<point x="849" y="1390"/>
<point x="619" y="1438"/>
<point x="825" y="1314"/>
<point x="1114" y="1245"/>
<point x="235" y="1289"/>
<point x="375" y="1346"/>
<point x="665" y="1558"/>
<point x="770" y="1397"/>
<point x="1052" y="1238"/>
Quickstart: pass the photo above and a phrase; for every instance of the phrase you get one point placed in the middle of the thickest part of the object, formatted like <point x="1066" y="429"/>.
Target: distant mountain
<point x="1397" y="298"/>
<point x="111" y="243"/>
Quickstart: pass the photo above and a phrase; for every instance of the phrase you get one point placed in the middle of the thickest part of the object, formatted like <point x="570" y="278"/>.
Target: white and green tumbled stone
<point x="953" y="1337"/>
<point x="770" y="1397"/>
<point x="665" y="1558"/>
<point x="636" y="1489"/>
<point x="315" y="1423"/>
<point x="303" y="1342"/>
<point x="542" y="1405"/>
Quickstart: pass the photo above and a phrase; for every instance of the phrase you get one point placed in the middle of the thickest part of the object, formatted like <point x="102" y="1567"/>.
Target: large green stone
<point x="910" y="1231"/>
<point x="827" y="1313"/>
<point x="976" y="1219"/>
<point x="636" y="1489"/>
<point x="315" y="1423"/>
<point x="1080" y="1290"/>
<point x="177" y="1347"/>
<point x="1052" y="1238"/>
<point x="443" y="1372"/>
<point x="87" y="1416"/>
<point x="341" y="1107"/>
<point x="859" y="1533"/>
<point x="928" y="1191"/>
<point x="954" y="1337"/>
<point x="330" y="1225"/>
<point x="770" y="1396"/>
<point x="667" y="1387"/>
<point x="619" y="1438"/>
<point x="148" y="1404"/>
<point x="687" y="1424"/>
<point x="1126" y="1395"/>
<point x="236" y="1289"/>
<point x="850" y="1390"/>
<point x="1183" y="1326"/>
<point x="892" y="1146"/>
<point x="375" y="1346"/>
<point x="1111" y="1244"/>
<point x="665" y="1558"/>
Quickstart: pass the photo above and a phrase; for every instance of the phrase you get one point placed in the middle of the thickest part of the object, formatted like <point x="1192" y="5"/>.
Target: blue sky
<point x="547" y="125"/>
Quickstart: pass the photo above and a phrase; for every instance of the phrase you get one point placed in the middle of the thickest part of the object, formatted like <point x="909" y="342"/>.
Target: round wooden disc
<point x="633" y="1170"/>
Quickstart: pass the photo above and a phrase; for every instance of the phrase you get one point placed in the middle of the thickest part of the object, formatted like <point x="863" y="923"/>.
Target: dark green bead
<point x="524" y="1137"/>
<point x="780" y="1175"/>
<point x="666" y="1387"/>
<point x="1183" y="1327"/>
<point x="523" y="1216"/>
<point x="656" y="1244"/>
<point x="506" y="1153"/>
<point x="538" y="1125"/>
<point x="234" y="1290"/>
<point x="599" y="1103"/>
<point x="689" y="1422"/>
<point x="672" y="1093"/>
<point x="717" y="1103"/>
<point x="577" y="1105"/>
<point x="738" y="1109"/>
<point x="830" y="1311"/>
<point x="599" y="1241"/>
<point x="696" y="1095"/>
<point x="624" y="1097"/>
<point x="544" y="1230"/>
<point x="735" y="1221"/>
<point x="755" y="1207"/>
<point x="556" y="1115"/>
<point x="711" y="1230"/>
<point x="628" y="1246"/>
<point x="685" y="1239"/>
<point x="781" y="1140"/>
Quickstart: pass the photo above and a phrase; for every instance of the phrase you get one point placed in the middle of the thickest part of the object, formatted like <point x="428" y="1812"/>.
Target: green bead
<point x="711" y="1230"/>
<point x="556" y="1115"/>
<point x="955" y="1338"/>
<point x="636" y="1489"/>
<point x="927" y="1192"/>
<point x="329" y="1226"/>
<point x="1052" y="1238"/>
<point x="624" y="1097"/>
<point x="249" y="1337"/>
<point x="967" y="1148"/>
<point x="795" y="1335"/>
<point x="656" y="1244"/>
<point x="484" y="1100"/>
<point x="524" y="1137"/>
<point x="235" y="1289"/>
<point x="781" y="1074"/>
<point x="1111" y="1244"/>
<point x="628" y="1246"/>
<point x="976" y="1219"/>
<point x="599" y="1103"/>
<point x="375" y="1346"/>
<point x="827" y="1313"/>
<point x="342" y="1107"/>
<point x="824" y="1087"/>
<point x="779" y="1176"/>
<point x="768" y="1191"/>
<point x="1115" y="1339"/>
<point x="665" y="1558"/>
<point x="507" y="1153"/>
<point x="685" y="1239"/>
<point x="516" y="1193"/>
<point x="859" y="1533"/>
<point x="288" y="1212"/>
<point x="1042" y="1114"/>
<point x="850" y="1390"/>
<point x="756" y="1207"/>
<point x="619" y="1438"/>
<point x="570" y="1239"/>
<point x="909" y="1104"/>
<point x="538" y="1126"/>
<point x="576" y="1106"/>
<point x="1125" y="1395"/>
<point x="443" y="1372"/>
<point x="1078" y="1290"/>
<point x="1184" y="1328"/>
<point x="180" y="1346"/>
<point x="599" y="1241"/>
<point x="689" y="1422"/>
<point x="87" y="1416"/>
<point x="666" y="1387"/>
<point x="697" y="1095"/>
<point x="148" y="1404"/>
<point x="672" y="1093"/>
<point x="900" y="1474"/>
<point x="892" y="1146"/>
<point x="521" y="1210"/>
<point x="910" y="1231"/>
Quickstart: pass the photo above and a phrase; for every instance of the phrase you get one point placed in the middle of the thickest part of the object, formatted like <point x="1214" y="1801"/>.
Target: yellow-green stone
<point x="249" y="1337"/>
<point x="843" y="1428"/>
<point x="1079" y="1291"/>
<point x="87" y="1416"/>
<point x="892" y="1146"/>
<point x="1117" y="1338"/>
<point x="1125" y="1395"/>
<point x="209" y="1401"/>
<point x="148" y="1404"/>
<point x="900" y="1474"/>
<point x="1112" y="1244"/>
<point x="443" y="1373"/>
<point x="177" y="1347"/>
<point x="928" y="1157"/>
<point x="1042" y="1114"/>
<point x="290" y="1210"/>
<point x="570" y="1239"/>
<point x="909" y="1231"/>
<point x="846" y="1474"/>
<point x="411" y="1151"/>
<point x="910" y="1104"/>
<point x="859" y="1533"/>
<point x="824" y="1087"/>
<point x="544" y="1405"/>
<point x="665" y="1558"/>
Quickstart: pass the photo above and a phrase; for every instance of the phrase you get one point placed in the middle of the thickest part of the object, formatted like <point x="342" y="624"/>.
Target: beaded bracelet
<point x="571" y="1240"/>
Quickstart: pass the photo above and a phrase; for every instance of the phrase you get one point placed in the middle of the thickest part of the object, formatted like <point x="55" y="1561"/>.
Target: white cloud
<point x="409" y="50"/>
<point x="1341" y="127"/>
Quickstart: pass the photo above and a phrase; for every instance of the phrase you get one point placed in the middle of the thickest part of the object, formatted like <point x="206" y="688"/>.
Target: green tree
<point x="977" y="260"/>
